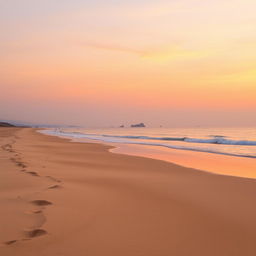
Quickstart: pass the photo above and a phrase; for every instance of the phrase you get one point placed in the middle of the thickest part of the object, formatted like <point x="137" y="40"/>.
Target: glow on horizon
<point x="88" y="57"/>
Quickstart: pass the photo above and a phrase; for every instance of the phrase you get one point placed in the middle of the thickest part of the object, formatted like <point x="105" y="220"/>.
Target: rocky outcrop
<point x="138" y="125"/>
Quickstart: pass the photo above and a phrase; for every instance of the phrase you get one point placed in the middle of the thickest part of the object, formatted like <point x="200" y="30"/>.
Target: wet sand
<point x="67" y="198"/>
<point x="215" y="163"/>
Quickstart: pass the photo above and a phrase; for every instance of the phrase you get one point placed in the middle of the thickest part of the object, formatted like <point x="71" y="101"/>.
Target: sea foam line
<point x="216" y="140"/>
<point x="116" y="139"/>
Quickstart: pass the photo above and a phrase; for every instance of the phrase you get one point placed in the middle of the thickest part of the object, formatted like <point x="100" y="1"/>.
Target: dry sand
<point x="63" y="198"/>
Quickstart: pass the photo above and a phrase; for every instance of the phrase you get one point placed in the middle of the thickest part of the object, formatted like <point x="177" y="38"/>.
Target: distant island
<point x="138" y="125"/>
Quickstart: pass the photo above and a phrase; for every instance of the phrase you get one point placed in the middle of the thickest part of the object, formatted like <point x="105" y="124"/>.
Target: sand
<point x="214" y="163"/>
<point x="64" y="198"/>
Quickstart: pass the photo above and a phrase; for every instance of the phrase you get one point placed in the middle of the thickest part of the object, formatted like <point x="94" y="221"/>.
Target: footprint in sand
<point x="21" y="164"/>
<point x="7" y="147"/>
<point x="54" y="179"/>
<point x="54" y="187"/>
<point x="35" y="233"/>
<point x="10" y="242"/>
<point x="32" y="173"/>
<point x="18" y="162"/>
<point x="37" y="211"/>
<point x="41" y="202"/>
<point x="34" y="212"/>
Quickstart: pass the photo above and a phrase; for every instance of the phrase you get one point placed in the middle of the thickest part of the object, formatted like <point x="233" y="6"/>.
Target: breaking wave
<point x="192" y="144"/>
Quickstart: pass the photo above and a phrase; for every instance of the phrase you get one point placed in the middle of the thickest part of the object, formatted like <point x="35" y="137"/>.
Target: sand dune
<point x="80" y="199"/>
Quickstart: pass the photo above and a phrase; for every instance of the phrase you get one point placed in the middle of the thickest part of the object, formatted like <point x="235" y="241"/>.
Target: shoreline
<point x="146" y="141"/>
<point x="233" y="166"/>
<point x="217" y="164"/>
<point x="103" y="203"/>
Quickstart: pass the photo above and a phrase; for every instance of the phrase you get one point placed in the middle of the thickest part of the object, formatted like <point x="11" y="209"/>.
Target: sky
<point x="105" y="63"/>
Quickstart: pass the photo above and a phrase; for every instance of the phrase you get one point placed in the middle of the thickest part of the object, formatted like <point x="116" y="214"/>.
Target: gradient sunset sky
<point x="103" y="63"/>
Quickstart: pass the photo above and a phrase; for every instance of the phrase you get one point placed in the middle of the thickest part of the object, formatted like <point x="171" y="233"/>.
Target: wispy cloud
<point x="113" y="47"/>
<point x="158" y="53"/>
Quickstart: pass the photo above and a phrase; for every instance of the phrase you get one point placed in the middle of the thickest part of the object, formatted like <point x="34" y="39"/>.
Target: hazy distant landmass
<point x="138" y="125"/>
<point x="19" y="123"/>
<point x="4" y="124"/>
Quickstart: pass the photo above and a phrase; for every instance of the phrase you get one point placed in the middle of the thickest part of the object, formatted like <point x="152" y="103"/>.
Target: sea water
<point x="237" y="142"/>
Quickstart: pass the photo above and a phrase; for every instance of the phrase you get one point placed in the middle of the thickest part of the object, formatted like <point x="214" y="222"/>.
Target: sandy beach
<point x="66" y="198"/>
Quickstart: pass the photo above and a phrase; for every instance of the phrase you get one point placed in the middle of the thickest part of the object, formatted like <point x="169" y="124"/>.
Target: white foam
<point x="133" y="140"/>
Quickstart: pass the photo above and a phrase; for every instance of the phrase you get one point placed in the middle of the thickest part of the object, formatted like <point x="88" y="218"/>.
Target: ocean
<point x="237" y="142"/>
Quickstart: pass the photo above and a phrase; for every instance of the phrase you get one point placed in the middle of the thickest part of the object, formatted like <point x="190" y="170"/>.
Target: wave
<point x="146" y="137"/>
<point x="218" y="139"/>
<point x="127" y="140"/>
<point x="222" y="141"/>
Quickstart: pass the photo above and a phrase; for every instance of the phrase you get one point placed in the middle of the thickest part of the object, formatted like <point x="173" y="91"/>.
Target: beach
<point x="69" y="198"/>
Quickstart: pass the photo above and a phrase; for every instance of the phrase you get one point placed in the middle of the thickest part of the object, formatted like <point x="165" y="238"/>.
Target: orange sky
<point x="181" y="63"/>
